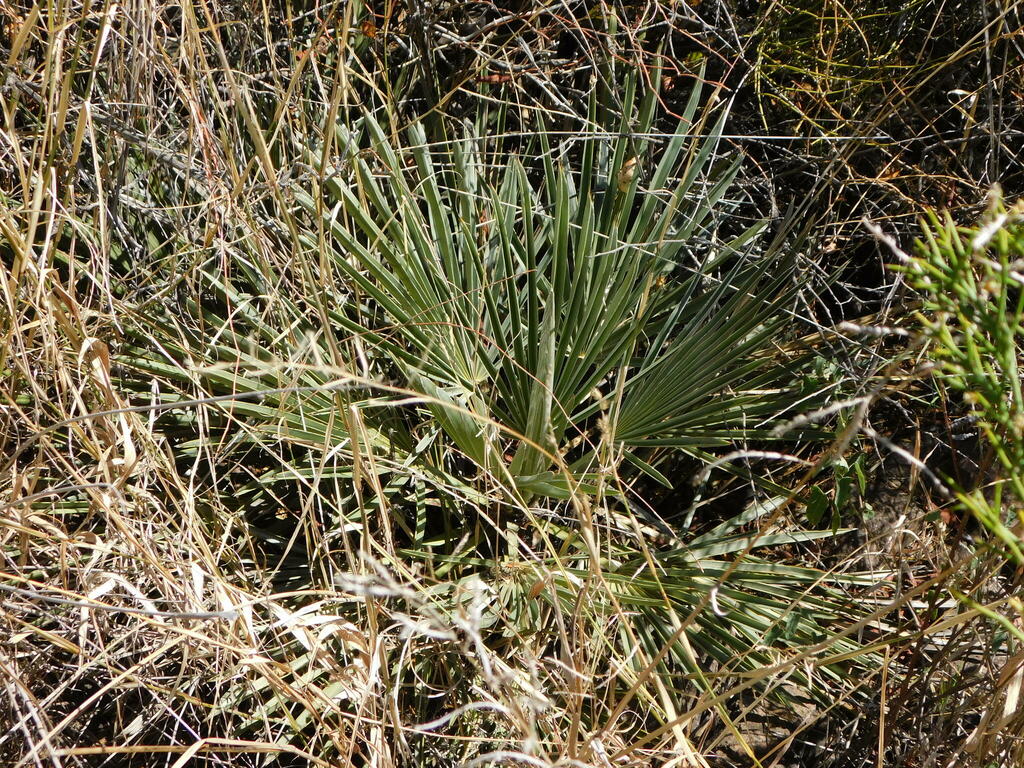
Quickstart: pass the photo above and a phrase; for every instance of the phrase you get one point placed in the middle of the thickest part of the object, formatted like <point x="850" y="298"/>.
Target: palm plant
<point x="527" y="309"/>
<point x="506" y="343"/>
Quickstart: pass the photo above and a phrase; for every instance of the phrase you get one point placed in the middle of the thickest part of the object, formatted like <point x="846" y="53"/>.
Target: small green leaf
<point x="817" y="504"/>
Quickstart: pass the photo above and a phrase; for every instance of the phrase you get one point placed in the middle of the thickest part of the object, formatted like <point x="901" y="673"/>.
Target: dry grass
<point x="165" y="602"/>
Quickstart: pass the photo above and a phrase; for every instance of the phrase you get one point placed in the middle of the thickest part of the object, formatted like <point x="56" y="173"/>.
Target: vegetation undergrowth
<point x="455" y="384"/>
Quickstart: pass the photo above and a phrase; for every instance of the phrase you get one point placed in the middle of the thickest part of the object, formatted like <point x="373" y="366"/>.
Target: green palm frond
<point x="510" y="336"/>
<point x="529" y="301"/>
